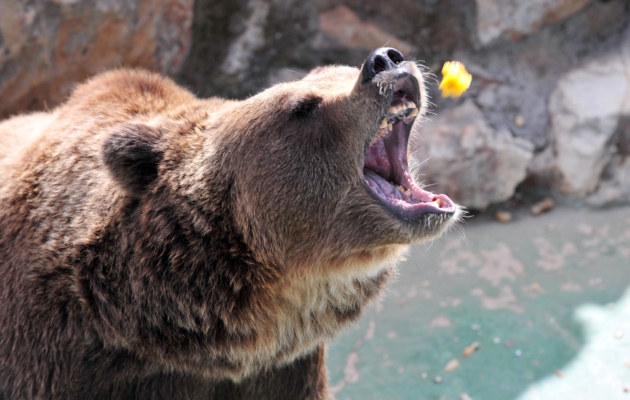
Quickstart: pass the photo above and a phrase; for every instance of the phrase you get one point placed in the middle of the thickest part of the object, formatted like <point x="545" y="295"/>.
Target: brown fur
<point x="155" y="245"/>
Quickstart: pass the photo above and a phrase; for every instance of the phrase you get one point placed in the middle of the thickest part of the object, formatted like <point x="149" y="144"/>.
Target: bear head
<point x="269" y="223"/>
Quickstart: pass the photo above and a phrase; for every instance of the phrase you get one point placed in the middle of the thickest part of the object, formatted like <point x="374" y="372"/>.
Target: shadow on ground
<point x="542" y="296"/>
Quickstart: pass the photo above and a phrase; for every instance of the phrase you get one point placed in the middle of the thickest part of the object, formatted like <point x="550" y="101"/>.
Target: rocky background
<point x="548" y="113"/>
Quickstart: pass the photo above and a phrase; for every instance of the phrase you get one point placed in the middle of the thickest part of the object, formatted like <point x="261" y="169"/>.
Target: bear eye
<point x="305" y="107"/>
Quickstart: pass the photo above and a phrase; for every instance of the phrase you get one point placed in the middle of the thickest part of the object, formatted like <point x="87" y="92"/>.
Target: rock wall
<point x="47" y="46"/>
<point x="548" y="107"/>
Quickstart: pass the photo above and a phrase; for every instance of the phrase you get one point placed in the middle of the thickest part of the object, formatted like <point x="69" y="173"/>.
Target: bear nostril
<point x="380" y="60"/>
<point x="395" y="55"/>
<point x="380" y="65"/>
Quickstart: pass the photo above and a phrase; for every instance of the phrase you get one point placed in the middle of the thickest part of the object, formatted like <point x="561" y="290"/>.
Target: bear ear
<point x="305" y="107"/>
<point x="132" y="154"/>
<point x="316" y="70"/>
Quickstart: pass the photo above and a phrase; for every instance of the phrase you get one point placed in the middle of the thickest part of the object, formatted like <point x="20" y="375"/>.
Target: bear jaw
<point x="386" y="170"/>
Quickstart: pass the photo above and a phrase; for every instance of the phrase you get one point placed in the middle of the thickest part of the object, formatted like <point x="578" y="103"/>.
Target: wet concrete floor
<point x="546" y="299"/>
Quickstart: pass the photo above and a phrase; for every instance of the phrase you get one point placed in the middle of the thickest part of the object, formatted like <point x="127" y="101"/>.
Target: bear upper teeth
<point x="394" y="114"/>
<point x="401" y="111"/>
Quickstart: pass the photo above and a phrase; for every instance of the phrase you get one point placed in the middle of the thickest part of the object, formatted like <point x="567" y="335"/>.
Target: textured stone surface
<point x="513" y="79"/>
<point x="513" y="19"/>
<point x="466" y="158"/>
<point x="615" y="190"/>
<point x="341" y="27"/>
<point x="47" y="46"/>
<point x="586" y="108"/>
<point x="238" y="44"/>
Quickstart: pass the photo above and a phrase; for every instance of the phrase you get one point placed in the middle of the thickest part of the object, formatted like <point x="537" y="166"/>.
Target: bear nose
<point x="380" y="60"/>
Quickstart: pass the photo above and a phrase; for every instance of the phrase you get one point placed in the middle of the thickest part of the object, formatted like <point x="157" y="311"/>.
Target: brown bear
<point x="154" y="245"/>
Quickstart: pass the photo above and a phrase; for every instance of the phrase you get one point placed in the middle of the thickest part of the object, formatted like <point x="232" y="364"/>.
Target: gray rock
<point x="459" y="153"/>
<point x="541" y="171"/>
<point x="615" y="190"/>
<point x="238" y="44"/>
<point x="513" y="19"/>
<point x="585" y="110"/>
<point x="243" y="49"/>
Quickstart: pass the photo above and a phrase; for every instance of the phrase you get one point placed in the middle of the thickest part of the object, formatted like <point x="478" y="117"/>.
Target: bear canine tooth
<point x="411" y="104"/>
<point x="390" y="127"/>
<point x="379" y="135"/>
<point x="413" y="113"/>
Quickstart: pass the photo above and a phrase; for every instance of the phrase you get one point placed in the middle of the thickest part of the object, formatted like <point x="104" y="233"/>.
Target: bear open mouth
<point x="386" y="171"/>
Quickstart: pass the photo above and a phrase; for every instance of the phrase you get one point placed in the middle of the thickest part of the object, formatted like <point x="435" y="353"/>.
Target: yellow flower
<point x="455" y="79"/>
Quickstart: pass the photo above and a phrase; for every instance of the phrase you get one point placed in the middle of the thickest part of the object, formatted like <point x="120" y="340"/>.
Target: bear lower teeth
<point x="402" y="189"/>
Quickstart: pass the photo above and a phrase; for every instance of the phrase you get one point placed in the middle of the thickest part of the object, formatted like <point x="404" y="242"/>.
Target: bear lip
<point x="386" y="170"/>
